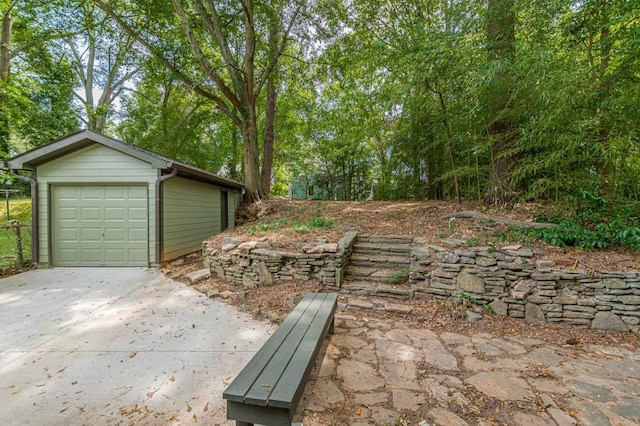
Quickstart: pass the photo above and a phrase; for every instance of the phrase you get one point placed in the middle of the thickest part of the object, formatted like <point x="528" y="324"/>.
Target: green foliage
<point x="596" y="225"/>
<point x="266" y="227"/>
<point x="399" y="277"/>
<point x="320" y="222"/>
<point x="19" y="209"/>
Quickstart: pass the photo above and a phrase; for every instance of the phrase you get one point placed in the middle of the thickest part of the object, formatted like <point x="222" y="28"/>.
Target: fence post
<point x="16" y="224"/>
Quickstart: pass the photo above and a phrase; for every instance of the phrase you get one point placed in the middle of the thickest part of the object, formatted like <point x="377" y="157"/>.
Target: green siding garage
<point x="105" y="225"/>
<point x="98" y="201"/>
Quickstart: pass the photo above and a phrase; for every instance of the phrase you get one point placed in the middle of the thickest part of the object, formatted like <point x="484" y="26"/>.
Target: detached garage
<point x="100" y="202"/>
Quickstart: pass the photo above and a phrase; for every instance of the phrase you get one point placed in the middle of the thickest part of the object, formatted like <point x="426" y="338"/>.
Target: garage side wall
<point x="95" y="164"/>
<point x="191" y="214"/>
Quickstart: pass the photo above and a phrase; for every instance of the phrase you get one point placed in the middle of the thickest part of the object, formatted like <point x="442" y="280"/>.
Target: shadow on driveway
<point x="116" y="346"/>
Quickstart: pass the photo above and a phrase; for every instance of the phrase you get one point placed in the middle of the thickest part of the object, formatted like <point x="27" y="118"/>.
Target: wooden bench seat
<point x="268" y="389"/>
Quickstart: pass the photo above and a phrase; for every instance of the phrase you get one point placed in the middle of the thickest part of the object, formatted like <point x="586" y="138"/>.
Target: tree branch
<point x="220" y="103"/>
<point x="204" y="63"/>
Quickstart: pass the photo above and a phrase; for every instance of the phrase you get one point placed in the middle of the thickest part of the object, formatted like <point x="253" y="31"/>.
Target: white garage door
<point x="100" y="226"/>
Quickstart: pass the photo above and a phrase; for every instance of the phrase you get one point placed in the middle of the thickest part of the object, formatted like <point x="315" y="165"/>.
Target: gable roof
<point x="56" y="149"/>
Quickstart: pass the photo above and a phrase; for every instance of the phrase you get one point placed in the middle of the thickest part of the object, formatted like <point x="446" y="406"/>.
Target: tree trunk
<point x="252" y="181"/>
<point x="269" y="137"/>
<point x="5" y="63"/>
<point x="502" y="125"/>
<point x="270" y="115"/>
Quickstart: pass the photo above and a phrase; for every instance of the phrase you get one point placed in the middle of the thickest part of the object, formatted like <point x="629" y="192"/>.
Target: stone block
<point x="573" y="314"/>
<point x="545" y="263"/>
<point x="551" y="307"/>
<point x="469" y="283"/>
<point x="499" y="307"/>
<point x="264" y="274"/>
<point x="447" y="257"/>
<point x="485" y="261"/>
<point x="608" y="321"/>
<point x="538" y="300"/>
<point x="615" y="283"/>
<point x="579" y="308"/>
<point x="566" y="300"/>
<point x="197" y="276"/>
<point x="630" y="300"/>
<point x="534" y="314"/>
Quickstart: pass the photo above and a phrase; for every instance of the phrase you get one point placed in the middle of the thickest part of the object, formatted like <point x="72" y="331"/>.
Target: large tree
<point x="502" y="124"/>
<point x="105" y="60"/>
<point x="222" y="54"/>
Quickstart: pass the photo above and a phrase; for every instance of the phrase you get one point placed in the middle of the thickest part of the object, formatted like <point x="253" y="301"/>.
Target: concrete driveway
<point x="116" y="346"/>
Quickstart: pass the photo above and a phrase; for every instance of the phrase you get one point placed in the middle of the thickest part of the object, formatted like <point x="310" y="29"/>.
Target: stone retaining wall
<point x="252" y="264"/>
<point x="512" y="281"/>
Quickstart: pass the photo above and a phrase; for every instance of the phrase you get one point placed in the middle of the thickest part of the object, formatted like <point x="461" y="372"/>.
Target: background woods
<point x="491" y="100"/>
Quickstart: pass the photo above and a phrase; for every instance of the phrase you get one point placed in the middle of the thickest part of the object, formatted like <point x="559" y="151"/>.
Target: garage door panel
<point x="114" y="256"/>
<point x="91" y="213"/>
<point x="114" y="235"/>
<point x="93" y="235"/>
<point x="137" y="255"/>
<point x="100" y="225"/>
<point x="138" y="193"/>
<point x="90" y="255"/>
<point x="137" y="234"/>
<point x="114" y="213"/>
<point x="137" y="213"/>
<point x="68" y="234"/>
<point x="116" y="194"/>
<point x="90" y="193"/>
<point x="70" y="213"/>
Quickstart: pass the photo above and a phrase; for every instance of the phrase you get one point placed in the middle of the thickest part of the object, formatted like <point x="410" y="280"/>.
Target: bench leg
<point x="239" y="423"/>
<point x="331" y="326"/>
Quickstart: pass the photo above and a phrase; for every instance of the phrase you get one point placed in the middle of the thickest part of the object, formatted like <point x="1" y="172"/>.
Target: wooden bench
<point x="268" y="389"/>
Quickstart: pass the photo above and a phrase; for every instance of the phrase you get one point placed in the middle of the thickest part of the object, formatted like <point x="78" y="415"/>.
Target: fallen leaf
<point x="172" y="379"/>
<point x="133" y="354"/>
<point x="264" y="385"/>
<point x="189" y="408"/>
<point x="206" y="408"/>
<point x="359" y="411"/>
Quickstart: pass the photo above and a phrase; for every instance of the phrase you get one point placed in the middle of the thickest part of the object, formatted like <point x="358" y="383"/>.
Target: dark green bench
<point x="268" y="389"/>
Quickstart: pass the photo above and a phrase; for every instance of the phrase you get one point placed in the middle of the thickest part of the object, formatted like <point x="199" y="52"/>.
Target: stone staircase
<point x="379" y="265"/>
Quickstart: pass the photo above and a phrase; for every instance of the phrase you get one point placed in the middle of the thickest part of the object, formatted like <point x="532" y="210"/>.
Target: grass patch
<point x="399" y="277"/>
<point x="19" y="209"/>
<point x="320" y="222"/>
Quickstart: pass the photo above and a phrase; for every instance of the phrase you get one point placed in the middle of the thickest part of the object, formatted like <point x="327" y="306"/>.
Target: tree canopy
<point x="492" y="100"/>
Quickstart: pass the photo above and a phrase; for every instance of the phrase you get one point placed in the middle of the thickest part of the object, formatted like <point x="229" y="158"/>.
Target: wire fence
<point x="15" y="244"/>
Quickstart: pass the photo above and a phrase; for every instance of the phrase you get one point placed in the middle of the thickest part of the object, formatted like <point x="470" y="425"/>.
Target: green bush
<point x="596" y="225"/>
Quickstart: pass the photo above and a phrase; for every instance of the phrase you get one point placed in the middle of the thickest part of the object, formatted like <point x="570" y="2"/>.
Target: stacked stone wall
<point x="251" y="265"/>
<point x="512" y="281"/>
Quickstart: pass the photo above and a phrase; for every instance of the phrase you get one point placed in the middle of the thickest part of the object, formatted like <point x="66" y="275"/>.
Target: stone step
<point x="370" y="288"/>
<point x="381" y="249"/>
<point x="376" y="260"/>
<point x="385" y="239"/>
<point x="362" y="273"/>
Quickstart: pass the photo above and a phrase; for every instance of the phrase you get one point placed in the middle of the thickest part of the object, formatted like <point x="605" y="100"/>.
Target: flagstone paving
<point x="377" y="372"/>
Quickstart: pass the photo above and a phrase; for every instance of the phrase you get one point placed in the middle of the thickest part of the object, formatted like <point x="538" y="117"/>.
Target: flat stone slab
<point x="438" y="356"/>
<point x="197" y="276"/>
<point x="506" y="387"/>
<point x="592" y="392"/>
<point x="358" y="376"/>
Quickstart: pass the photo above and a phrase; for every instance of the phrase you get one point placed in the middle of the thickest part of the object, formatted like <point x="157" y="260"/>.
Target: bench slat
<point x="260" y="393"/>
<point x="243" y="382"/>
<point x="290" y="387"/>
